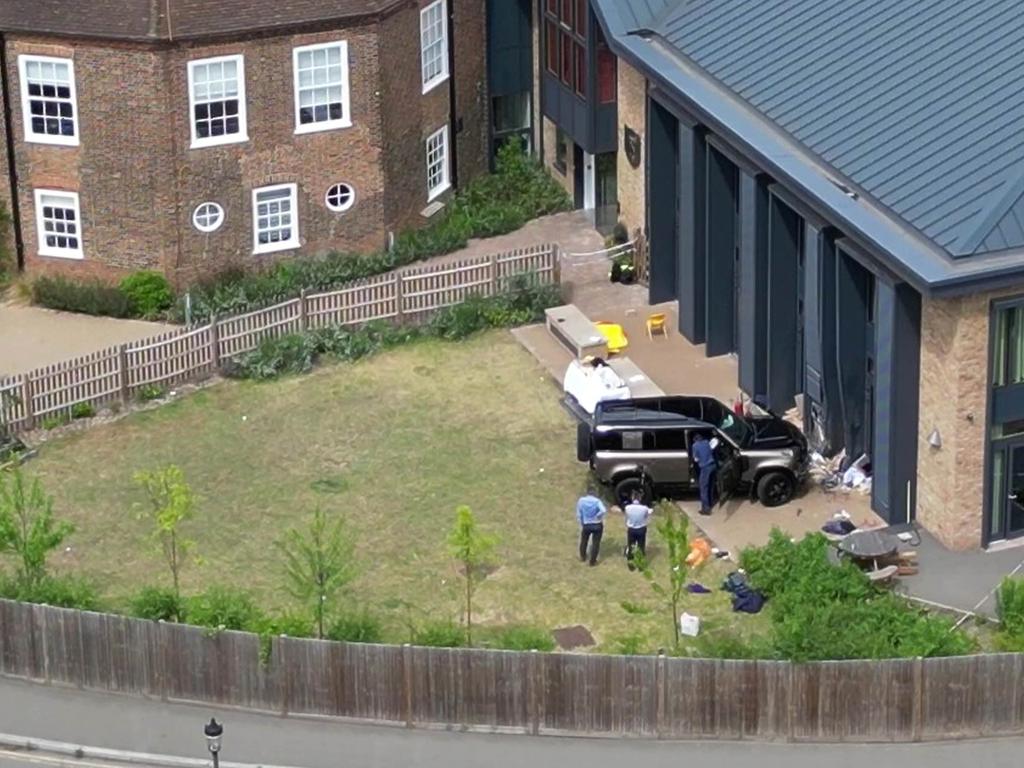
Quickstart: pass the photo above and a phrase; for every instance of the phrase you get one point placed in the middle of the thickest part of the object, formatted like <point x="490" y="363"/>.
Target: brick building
<point x="187" y="136"/>
<point x="832" y="192"/>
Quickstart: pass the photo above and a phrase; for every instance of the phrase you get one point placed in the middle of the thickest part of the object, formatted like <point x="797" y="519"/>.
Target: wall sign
<point x="631" y="143"/>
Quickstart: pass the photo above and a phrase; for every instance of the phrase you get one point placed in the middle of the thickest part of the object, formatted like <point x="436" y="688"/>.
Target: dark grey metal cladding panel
<point x="691" y="273"/>
<point x="606" y="127"/>
<point x="662" y="202"/>
<point x="509" y="47"/>
<point x="851" y="349"/>
<point x="813" y="369"/>
<point x="783" y="257"/>
<point x="906" y="395"/>
<point x="827" y="300"/>
<point x="721" y="233"/>
<point x="569" y="112"/>
<point x="753" y="310"/>
<point x="881" y="459"/>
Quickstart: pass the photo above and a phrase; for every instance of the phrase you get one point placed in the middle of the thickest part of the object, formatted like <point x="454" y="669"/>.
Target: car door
<point x="673" y="463"/>
<point x="730" y="469"/>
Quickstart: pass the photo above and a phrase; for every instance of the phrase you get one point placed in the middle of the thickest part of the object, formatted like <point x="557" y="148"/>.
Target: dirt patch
<point x="569" y="638"/>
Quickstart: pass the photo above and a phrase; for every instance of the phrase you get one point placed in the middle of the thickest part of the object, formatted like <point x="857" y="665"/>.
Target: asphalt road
<point x="118" y="722"/>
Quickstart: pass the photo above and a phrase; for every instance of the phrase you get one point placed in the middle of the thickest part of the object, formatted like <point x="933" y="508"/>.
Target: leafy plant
<point x="474" y="552"/>
<point x="356" y="627"/>
<point x="171" y="504"/>
<point x="522" y="638"/>
<point x="294" y="353"/>
<point x="1010" y="607"/>
<point x="672" y="529"/>
<point x="92" y="297"/>
<point x="225" y="608"/>
<point x="630" y="644"/>
<point x="83" y="411"/>
<point x="157" y="604"/>
<point x="56" y="420"/>
<point x="289" y="624"/>
<point x="59" y="591"/>
<point x="439" y="634"/>
<point x="150" y="392"/>
<point x="149" y="294"/>
<point x="318" y="564"/>
<point x="28" y="530"/>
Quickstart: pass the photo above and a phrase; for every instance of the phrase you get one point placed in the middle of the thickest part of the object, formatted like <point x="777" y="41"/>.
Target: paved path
<point x="122" y="722"/>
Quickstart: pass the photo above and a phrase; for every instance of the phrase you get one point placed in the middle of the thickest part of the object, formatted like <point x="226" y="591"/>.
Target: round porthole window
<point x="341" y="197"/>
<point x="207" y="217"/>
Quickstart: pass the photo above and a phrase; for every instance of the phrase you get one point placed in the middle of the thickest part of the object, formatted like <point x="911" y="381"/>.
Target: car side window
<point x="637" y="441"/>
<point x="671" y="440"/>
<point x="607" y="441"/>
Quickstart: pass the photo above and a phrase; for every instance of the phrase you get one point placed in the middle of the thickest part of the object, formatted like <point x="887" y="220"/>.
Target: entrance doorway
<point x="1007" y="519"/>
<point x="606" y="212"/>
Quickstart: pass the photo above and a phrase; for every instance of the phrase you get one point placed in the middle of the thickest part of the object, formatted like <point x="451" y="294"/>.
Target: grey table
<point x="869" y="545"/>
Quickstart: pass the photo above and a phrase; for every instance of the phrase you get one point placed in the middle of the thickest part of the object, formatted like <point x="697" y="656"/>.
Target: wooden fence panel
<point x="170" y="359"/>
<point x="367" y="681"/>
<point x="599" y="694"/>
<point x="306" y="674"/>
<point x="93" y="378"/>
<point x="220" y="668"/>
<point x="14" y="404"/>
<point x="426" y="291"/>
<point x="972" y="696"/>
<point x="495" y="689"/>
<point x="365" y="300"/>
<point x="115" y="653"/>
<point x="539" y="261"/>
<point x="20" y="642"/>
<point x="245" y="332"/>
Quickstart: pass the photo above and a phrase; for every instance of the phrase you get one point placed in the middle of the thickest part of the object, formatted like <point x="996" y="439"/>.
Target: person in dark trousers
<point x="704" y="456"/>
<point x="590" y="512"/>
<point x="637" y="516"/>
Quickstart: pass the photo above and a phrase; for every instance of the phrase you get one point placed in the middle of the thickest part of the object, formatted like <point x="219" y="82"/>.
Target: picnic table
<point x="870" y="547"/>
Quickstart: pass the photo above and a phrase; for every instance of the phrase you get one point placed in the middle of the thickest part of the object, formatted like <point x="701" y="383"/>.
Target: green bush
<point x="294" y="353"/>
<point x="149" y="294"/>
<point x="439" y="634"/>
<point x="290" y="624"/>
<point x="356" y="627"/>
<point x="157" y="604"/>
<point x="518" y="191"/>
<point x="222" y="607"/>
<point x="630" y="644"/>
<point x="521" y="638"/>
<point x="59" y="591"/>
<point x="55" y="420"/>
<point x="83" y="411"/>
<point x="150" y="392"/>
<point x="91" y="297"/>
<point x="1010" y="608"/>
<point x="821" y="610"/>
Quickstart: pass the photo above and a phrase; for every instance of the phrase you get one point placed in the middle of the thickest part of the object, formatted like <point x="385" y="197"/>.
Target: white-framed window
<point x="434" y="44"/>
<point x="321" y="87"/>
<point x="275" y="220"/>
<point x="207" y="217"/>
<point x="437" y="163"/>
<point x="340" y="197"/>
<point x="48" y="104"/>
<point x="58" y="224"/>
<point x="216" y="99"/>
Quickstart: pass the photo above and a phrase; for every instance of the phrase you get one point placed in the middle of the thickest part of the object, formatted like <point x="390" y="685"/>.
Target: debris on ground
<point x="570" y="638"/>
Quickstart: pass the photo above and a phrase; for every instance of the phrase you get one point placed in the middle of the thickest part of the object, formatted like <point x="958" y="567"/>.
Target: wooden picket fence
<point x="119" y="373"/>
<point x="898" y="700"/>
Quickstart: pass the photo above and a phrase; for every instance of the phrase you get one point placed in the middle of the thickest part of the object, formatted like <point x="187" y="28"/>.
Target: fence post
<point x="917" y="723"/>
<point x="42" y="611"/>
<point x="303" y="319"/>
<point x="790" y="704"/>
<point x="214" y="343"/>
<point x="407" y="682"/>
<point x="122" y="364"/>
<point x="399" y="299"/>
<point x="556" y="264"/>
<point x="534" y="699"/>
<point x="660" y="673"/>
<point x="494" y="274"/>
<point x="26" y="399"/>
<point x="283" y="678"/>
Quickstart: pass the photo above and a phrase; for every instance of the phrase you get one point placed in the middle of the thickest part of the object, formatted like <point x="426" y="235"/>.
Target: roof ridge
<point x="1000" y="202"/>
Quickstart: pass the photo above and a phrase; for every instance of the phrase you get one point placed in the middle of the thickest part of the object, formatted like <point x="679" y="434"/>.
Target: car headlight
<point x="789" y="453"/>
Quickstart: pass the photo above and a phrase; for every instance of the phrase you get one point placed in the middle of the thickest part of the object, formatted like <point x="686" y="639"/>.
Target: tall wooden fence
<point x="121" y="372"/>
<point x="654" y="697"/>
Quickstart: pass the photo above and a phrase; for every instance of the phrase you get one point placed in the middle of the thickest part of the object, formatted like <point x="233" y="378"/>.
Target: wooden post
<point x="214" y="343"/>
<point x="494" y="274"/>
<point x="26" y="399"/>
<point x="122" y="364"/>
<point x="790" y="704"/>
<point x="917" y="722"/>
<point x="399" y="299"/>
<point x="534" y="699"/>
<point x="283" y="685"/>
<point x="407" y="682"/>
<point x="660" y="673"/>
<point x="303" y="319"/>
<point x="556" y="264"/>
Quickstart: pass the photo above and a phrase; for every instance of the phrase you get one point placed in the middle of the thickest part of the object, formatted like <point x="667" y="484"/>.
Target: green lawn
<point x="393" y="443"/>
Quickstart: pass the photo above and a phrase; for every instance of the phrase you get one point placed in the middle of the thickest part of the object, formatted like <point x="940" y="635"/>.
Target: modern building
<point x="189" y="136"/>
<point x="833" y="191"/>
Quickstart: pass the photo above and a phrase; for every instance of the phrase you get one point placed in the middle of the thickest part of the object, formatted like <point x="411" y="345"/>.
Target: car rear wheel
<point x="583" y="444"/>
<point x="775" y="488"/>
<point x="624" y="490"/>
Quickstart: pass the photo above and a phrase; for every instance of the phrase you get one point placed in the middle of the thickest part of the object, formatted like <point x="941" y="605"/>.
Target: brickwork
<point x="565" y="178"/>
<point x="632" y="109"/>
<point x="471" y="96"/>
<point x="7" y="246"/>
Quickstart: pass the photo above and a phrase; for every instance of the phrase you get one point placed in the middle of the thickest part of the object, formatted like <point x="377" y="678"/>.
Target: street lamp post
<point x="213" y="731"/>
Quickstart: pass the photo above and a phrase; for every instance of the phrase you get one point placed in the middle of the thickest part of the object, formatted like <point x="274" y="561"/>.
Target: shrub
<point x="221" y="607"/>
<point x="630" y="644"/>
<point x="157" y="604"/>
<point x="83" y="411"/>
<point x="1010" y="608"/>
<point x="294" y="353"/>
<point x="55" y="420"/>
<point x="356" y="627"/>
<point x="150" y="392"/>
<point x="90" y="297"/>
<point x="59" y="591"/>
<point x="519" y="190"/>
<point x="522" y="638"/>
<point x="149" y="294"/>
<point x="290" y="624"/>
<point x="439" y="634"/>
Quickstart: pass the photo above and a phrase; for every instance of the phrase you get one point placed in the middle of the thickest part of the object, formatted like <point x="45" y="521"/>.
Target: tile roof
<point x="173" y="19"/>
<point x="917" y="102"/>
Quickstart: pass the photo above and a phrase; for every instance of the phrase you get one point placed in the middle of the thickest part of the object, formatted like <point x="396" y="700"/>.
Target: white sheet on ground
<point x="591" y="386"/>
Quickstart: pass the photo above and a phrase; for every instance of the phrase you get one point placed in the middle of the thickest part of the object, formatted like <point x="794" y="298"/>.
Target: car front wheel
<point x="775" y="488"/>
<point x="624" y="490"/>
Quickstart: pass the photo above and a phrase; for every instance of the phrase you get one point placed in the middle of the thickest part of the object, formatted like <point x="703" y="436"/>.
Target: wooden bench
<point x="574" y="331"/>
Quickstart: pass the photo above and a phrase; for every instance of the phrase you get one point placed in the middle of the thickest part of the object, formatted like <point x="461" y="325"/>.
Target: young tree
<point x="171" y="503"/>
<point x="318" y="563"/>
<point x="27" y="527"/>
<point x="672" y="529"/>
<point x="473" y="551"/>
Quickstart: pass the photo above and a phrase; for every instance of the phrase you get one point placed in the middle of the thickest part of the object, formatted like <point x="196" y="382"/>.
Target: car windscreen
<point x="734" y="427"/>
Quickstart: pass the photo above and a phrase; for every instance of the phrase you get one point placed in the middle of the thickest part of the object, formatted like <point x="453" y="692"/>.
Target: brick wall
<point x="471" y="97"/>
<point x="632" y="110"/>
<point x="7" y="245"/>
<point x="565" y="178"/>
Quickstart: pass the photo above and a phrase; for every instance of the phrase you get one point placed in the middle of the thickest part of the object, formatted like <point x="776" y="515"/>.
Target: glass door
<point x="1007" y="516"/>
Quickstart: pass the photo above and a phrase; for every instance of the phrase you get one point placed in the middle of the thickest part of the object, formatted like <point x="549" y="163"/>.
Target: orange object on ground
<point x="700" y="551"/>
<point x="614" y="335"/>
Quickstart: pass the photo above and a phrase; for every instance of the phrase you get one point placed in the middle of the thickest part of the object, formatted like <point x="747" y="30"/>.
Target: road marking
<point x="26" y="756"/>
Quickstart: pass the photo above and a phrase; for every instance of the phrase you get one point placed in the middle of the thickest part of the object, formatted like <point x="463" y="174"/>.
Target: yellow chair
<point x="614" y="335"/>
<point x="657" y="323"/>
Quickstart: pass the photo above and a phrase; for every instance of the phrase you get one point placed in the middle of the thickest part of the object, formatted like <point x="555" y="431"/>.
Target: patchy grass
<point x="394" y="443"/>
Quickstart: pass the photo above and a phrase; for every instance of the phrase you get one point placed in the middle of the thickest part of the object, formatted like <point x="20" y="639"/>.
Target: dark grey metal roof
<point x="918" y="104"/>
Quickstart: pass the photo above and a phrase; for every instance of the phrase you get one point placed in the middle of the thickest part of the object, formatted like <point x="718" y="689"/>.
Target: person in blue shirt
<point x="590" y="512"/>
<point x="704" y="457"/>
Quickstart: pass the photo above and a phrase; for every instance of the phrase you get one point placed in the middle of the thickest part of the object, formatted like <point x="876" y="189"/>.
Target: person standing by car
<point x="637" y="516"/>
<point x="707" y="465"/>
<point x="590" y="512"/>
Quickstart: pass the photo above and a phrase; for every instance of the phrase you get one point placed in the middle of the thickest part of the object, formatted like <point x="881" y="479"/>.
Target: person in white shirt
<point x="637" y="516"/>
